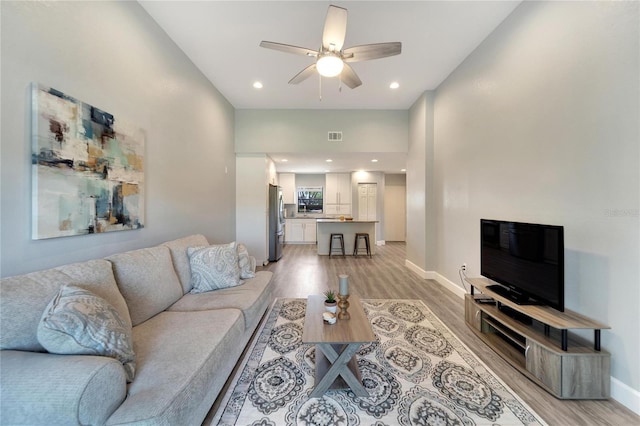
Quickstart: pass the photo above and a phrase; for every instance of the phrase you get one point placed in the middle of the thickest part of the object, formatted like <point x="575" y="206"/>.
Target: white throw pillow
<point x="77" y="322"/>
<point x="247" y="267"/>
<point x="214" y="267"/>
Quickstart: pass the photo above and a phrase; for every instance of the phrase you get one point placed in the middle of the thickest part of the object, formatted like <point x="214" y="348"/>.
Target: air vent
<point x="335" y="137"/>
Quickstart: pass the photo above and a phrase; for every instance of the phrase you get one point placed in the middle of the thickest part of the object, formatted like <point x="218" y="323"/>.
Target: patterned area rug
<point x="417" y="373"/>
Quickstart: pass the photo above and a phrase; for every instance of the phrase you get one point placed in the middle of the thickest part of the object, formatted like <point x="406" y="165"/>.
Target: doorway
<point x="395" y="208"/>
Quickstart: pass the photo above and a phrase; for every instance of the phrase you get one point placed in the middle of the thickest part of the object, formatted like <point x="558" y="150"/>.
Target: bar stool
<point x="360" y="235"/>
<point x="341" y="248"/>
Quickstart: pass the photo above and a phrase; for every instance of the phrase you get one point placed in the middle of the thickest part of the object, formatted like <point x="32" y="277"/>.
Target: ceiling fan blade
<point x="335" y="28"/>
<point x="349" y="77"/>
<point x="304" y="74"/>
<point x="289" y="48"/>
<point x="367" y="52"/>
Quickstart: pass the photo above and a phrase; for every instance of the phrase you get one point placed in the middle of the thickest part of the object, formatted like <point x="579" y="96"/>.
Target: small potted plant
<point x="330" y="301"/>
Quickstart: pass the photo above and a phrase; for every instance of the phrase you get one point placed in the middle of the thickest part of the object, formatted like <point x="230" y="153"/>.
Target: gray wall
<point x="395" y="179"/>
<point x="286" y="130"/>
<point x="421" y="222"/>
<point x="540" y="124"/>
<point x="252" y="204"/>
<point x="112" y="55"/>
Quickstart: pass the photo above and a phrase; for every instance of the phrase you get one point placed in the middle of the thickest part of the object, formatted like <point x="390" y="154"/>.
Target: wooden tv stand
<point x="536" y="341"/>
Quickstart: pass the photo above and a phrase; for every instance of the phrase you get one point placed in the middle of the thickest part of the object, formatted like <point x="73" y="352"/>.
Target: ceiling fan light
<point x="329" y="65"/>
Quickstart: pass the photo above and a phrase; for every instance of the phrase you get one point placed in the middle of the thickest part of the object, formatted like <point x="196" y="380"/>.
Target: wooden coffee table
<point x="336" y="346"/>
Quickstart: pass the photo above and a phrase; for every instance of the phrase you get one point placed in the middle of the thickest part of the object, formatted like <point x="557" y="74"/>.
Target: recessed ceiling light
<point x="284" y="160"/>
<point x="327" y="170"/>
<point x="403" y="170"/>
<point x="394" y="85"/>
<point x="257" y="85"/>
<point x="329" y="160"/>
<point x="374" y="161"/>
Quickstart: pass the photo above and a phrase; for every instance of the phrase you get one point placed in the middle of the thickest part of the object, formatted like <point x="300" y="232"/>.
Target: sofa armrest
<point x="43" y="388"/>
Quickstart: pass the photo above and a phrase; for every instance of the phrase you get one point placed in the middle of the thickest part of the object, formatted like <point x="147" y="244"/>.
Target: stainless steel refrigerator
<point x="276" y="223"/>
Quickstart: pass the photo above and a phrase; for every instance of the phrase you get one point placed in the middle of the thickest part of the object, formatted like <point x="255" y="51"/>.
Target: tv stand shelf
<point x="535" y="340"/>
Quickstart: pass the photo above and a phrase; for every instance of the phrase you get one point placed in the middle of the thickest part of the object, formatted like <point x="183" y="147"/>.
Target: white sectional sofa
<point x="185" y="345"/>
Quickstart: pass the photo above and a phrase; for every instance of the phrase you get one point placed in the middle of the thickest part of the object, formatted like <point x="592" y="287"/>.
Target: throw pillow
<point x="214" y="267"/>
<point x="247" y="267"/>
<point x="77" y="322"/>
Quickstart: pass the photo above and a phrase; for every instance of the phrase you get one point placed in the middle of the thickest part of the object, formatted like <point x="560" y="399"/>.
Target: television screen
<point x="527" y="259"/>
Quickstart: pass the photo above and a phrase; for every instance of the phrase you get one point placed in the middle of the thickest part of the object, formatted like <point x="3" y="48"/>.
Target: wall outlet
<point x="463" y="267"/>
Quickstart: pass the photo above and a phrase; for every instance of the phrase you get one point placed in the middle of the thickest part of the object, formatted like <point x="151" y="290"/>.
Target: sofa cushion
<point x="214" y="267"/>
<point x="147" y="281"/>
<point x="77" y="322"/>
<point x="178" y="249"/>
<point x="23" y="299"/>
<point x="247" y="266"/>
<point x="253" y="298"/>
<point x="47" y="389"/>
<point x="182" y="356"/>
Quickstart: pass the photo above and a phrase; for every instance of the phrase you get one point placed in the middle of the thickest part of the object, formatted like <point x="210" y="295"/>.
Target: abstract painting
<point x="88" y="168"/>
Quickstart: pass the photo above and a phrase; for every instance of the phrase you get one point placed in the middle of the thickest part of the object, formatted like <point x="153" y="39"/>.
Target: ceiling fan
<point x="331" y="59"/>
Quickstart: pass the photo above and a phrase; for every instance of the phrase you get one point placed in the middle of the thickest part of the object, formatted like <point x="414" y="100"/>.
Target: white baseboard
<point x="625" y="395"/>
<point x="621" y="392"/>
<point x="433" y="275"/>
<point x="450" y="285"/>
<point x="427" y="275"/>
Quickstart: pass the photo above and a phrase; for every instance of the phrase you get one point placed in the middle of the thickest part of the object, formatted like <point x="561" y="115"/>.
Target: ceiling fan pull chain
<point x="320" y="87"/>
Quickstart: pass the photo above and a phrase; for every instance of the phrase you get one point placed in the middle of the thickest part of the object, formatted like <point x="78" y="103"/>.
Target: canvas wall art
<point x="88" y="168"/>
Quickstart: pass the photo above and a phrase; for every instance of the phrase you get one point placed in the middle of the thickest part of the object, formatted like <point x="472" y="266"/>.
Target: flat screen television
<point x="525" y="259"/>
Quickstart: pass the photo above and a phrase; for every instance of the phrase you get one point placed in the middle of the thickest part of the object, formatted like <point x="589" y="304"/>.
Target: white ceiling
<point x="222" y="39"/>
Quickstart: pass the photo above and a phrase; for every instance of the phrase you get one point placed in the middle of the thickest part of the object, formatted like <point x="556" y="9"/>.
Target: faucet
<point x="305" y="210"/>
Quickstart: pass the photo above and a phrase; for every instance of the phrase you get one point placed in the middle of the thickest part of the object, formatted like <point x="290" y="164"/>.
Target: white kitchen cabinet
<point x="331" y="188"/>
<point x="288" y="183"/>
<point x="337" y="188"/>
<point x="310" y="231"/>
<point x="293" y="231"/>
<point x="337" y="194"/>
<point x="298" y="231"/>
<point x="338" y="209"/>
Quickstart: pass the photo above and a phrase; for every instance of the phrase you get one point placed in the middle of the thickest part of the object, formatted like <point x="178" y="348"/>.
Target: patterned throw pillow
<point x="214" y="267"/>
<point x="77" y="322"/>
<point x="247" y="267"/>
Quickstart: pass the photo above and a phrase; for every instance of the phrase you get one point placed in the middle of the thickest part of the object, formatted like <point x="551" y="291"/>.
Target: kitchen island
<point x="348" y="228"/>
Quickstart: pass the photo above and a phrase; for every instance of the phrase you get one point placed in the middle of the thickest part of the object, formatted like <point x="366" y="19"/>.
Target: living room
<point x="539" y="124"/>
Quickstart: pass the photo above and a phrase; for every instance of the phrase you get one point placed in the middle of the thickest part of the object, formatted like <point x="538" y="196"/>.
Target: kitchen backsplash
<point x="289" y="210"/>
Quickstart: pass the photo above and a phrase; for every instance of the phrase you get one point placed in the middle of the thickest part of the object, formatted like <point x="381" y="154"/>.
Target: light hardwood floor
<point x="301" y="272"/>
